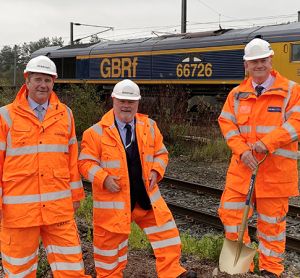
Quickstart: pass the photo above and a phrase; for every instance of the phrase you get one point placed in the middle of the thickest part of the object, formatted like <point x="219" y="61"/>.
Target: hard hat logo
<point x="41" y="64"/>
<point x="127" y="90"/>
<point x="257" y="49"/>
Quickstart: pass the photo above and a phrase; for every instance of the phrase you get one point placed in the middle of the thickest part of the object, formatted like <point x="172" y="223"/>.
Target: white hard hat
<point x="126" y="89"/>
<point x="257" y="49"/>
<point x="41" y="64"/>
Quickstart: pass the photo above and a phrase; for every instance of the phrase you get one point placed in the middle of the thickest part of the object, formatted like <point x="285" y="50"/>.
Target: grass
<point x="85" y="211"/>
<point x="216" y="150"/>
<point x="138" y="239"/>
<point x="208" y="247"/>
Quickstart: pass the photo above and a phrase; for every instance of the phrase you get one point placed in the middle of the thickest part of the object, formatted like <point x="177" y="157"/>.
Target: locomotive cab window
<point x="295" y="53"/>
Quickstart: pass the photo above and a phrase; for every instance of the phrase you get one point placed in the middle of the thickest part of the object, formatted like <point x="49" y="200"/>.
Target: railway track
<point x="294" y="211"/>
<point x="207" y="217"/>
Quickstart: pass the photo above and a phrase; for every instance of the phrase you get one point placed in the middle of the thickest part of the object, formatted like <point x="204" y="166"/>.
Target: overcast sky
<point x="30" y="20"/>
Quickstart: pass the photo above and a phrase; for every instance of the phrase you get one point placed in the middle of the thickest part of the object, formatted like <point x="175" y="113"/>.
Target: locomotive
<point x="202" y="63"/>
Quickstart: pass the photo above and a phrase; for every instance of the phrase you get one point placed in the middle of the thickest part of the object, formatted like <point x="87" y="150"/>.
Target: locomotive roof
<point x="222" y="37"/>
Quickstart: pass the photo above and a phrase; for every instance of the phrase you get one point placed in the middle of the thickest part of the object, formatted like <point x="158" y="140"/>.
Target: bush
<point x="85" y="103"/>
<point x="208" y="247"/>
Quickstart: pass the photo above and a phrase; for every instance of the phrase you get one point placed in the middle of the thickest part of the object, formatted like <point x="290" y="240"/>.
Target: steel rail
<point x="213" y="220"/>
<point x="294" y="211"/>
<point x="205" y="217"/>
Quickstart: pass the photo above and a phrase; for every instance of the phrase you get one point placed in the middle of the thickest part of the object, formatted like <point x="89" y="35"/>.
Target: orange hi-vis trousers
<point x="20" y="248"/>
<point x="110" y="249"/>
<point x="271" y="226"/>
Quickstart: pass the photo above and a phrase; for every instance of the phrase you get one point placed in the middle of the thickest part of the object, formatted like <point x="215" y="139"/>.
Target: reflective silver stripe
<point x="76" y="184"/>
<point x="154" y="197"/>
<point x="45" y="197"/>
<point x="73" y="140"/>
<point x="280" y="237"/>
<point x="165" y="242"/>
<point x="0" y="191"/>
<point x="152" y="132"/>
<point x="245" y="128"/>
<point x="63" y="250"/>
<point x="92" y="172"/>
<point x="228" y="116"/>
<point x="149" y="158"/>
<point x="25" y="199"/>
<point x="231" y="229"/>
<point x="8" y="139"/>
<point x="108" y="205"/>
<point x="296" y="108"/>
<point x="287" y="99"/>
<point x="269" y="252"/>
<point x="43" y="148"/>
<point x="291" y="130"/>
<point x="160" y="162"/>
<point x="231" y="134"/>
<point x="236" y="104"/>
<point x="162" y="150"/>
<point x="5" y="115"/>
<point x="69" y="119"/>
<point x="156" y="229"/>
<point x="265" y="129"/>
<point x="23" y="274"/>
<point x="123" y="244"/>
<point x="112" y="252"/>
<point x="97" y="129"/>
<point x="2" y="146"/>
<point x="66" y="266"/>
<point x="286" y="153"/>
<point x="271" y="219"/>
<point x="84" y="156"/>
<point x="139" y="122"/>
<point x="111" y="265"/>
<point x="111" y="164"/>
<point x="234" y="205"/>
<point x="19" y="261"/>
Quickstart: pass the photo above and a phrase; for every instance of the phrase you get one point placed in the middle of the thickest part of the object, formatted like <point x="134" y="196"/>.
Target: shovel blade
<point x="228" y="254"/>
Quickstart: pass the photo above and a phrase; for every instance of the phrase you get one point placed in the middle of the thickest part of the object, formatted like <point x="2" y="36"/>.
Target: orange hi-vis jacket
<point x="103" y="154"/>
<point x="273" y="118"/>
<point x="38" y="164"/>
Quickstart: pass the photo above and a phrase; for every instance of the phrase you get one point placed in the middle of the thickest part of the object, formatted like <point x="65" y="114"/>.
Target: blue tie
<point x="128" y="136"/>
<point x="259" y="90"/>
<point x="40" y="110"/>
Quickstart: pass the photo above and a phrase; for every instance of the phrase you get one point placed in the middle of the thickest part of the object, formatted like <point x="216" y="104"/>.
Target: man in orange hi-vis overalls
<point x="40" y="183"/>
<point x="261" y="115"/>
<point x="123" y="155"/>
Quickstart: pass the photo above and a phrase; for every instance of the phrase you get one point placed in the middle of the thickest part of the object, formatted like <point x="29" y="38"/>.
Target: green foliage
<point x="20" y="54"/>
<point x="7" y="94"/>
<point x="216" y="150"/>
<point x="85" y="103"/>
<point x="208" y="247"/>
<point x="138" y="239"/>
<point x="85" y="211"/>
<point x="43" y="265"/>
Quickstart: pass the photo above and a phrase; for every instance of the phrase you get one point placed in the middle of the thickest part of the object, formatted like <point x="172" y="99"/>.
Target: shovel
<point x="236" y="257"/>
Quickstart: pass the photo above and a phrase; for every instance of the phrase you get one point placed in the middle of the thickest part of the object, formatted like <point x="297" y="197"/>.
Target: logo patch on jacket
<point x="274" y="109"/>
<point x="245" y="109"/>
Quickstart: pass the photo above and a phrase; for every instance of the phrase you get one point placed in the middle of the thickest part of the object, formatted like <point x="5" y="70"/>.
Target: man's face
<point x="39" y="86"/>
<point x="259" y="69"/>
<point x="125" y="110"/>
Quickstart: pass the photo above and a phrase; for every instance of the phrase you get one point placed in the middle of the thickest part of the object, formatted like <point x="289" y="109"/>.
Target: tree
<point x="23" y="54"/>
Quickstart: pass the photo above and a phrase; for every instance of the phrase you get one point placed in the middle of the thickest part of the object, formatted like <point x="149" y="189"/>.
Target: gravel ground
<point x="141" y="264"/>
<point x="213" y="174"/>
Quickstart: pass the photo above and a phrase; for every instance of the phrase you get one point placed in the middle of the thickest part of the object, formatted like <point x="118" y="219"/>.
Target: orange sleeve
<point x="89" y="158"/>
<point x="75" y="179"/>
<point x="228" y="124"/>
